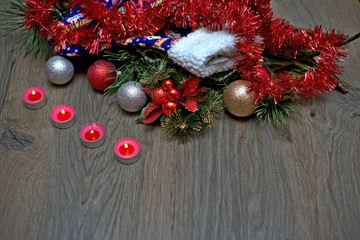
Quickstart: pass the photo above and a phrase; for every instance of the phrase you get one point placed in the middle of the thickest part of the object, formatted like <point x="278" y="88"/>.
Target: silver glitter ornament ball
<point x="131" y="97"/>
<point x="59" y="70"/>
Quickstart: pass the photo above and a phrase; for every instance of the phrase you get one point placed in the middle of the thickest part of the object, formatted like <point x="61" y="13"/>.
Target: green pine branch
<point x="211" y="107"/>
<point x="182" y="126"/>
<point x="268" y="111"/>
<point x="299" y="66"/>
<point x="129" y="63"/>
<point x="148" y="66"/>
<point x="31" y="42"/>
<point x="12" y="17"/>
<point x="219" y="81"/>
<point x="350" y="39"/>
<point x="60" y="10"/>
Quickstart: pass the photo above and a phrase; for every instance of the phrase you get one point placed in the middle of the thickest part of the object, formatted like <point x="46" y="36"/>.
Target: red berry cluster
<point x="166" y="96"/>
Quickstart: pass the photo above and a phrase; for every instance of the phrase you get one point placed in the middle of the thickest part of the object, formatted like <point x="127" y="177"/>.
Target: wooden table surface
<point x="235" y="181"/>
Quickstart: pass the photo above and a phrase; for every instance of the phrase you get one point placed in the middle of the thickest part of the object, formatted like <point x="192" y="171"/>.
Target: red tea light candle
<point x="127" y="150"/>
<point x="34" y="98"/>
<point x="63" y="116"/>
<point x="92" y="135"/>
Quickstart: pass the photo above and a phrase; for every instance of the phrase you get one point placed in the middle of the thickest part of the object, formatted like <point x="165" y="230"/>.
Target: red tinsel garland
<point x="253" y="22"/>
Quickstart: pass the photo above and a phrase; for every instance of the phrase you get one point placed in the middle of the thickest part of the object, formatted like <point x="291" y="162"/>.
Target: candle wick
<point x="92" y="134"/>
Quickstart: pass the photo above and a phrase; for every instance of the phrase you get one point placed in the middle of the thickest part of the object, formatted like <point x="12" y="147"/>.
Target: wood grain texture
<point x="236" y="181"/>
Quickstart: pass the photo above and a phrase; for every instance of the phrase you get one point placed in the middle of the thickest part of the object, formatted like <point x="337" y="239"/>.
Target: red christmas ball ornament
<point x="263" y="71"/>
<point x="167" y="84"/>
<point x="173" y="94"/>
<point x="159" y="96"/>
<point x="101" y="74"/>
<point x="169" y="107"/>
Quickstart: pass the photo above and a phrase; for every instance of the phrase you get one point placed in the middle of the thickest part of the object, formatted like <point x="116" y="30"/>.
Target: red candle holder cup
<point x="127" y="151"/>
<point x="92" y="135"/>
<point x="34" y="98"/>
<point x="63" y="116"/>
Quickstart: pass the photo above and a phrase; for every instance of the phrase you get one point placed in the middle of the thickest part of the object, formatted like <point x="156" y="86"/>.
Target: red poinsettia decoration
<point x="167" y="99"/>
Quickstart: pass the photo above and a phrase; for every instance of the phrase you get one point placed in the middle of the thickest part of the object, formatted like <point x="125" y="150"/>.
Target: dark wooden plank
<point x="236" y="181"/>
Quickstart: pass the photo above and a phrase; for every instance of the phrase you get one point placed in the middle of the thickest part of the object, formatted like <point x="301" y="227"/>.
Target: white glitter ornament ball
<point x="131" y="97"/>
<point x="59" y="70"/>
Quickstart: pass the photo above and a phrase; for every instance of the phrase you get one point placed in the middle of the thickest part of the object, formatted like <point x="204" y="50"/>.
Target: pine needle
<point x="268" y="111"/>
<point x="129" y="62"/>
<point x="148" y="66"/>
<point x="31" y="41"/>
<point x="211" y="107"/>
<point x="350" y="39"/>
<point x="182" y="127"/>
<point x="12" y="17"/>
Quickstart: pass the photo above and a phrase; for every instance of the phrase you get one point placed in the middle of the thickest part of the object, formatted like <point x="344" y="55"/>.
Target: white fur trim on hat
<point x="204" y="52"/>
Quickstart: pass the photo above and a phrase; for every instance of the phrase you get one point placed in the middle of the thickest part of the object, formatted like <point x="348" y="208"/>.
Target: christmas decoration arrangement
<point x="182" y="63"/>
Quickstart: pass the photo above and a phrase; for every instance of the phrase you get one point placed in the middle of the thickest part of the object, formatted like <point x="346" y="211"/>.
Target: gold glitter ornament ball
<point x="238" y="100"/>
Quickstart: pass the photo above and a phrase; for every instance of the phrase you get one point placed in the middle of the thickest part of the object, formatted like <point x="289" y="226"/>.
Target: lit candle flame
<point x="92" y="132"/>
<point x="33" y="92"/>
<point x="62" y="111"/>
<point x="126" y="149"/>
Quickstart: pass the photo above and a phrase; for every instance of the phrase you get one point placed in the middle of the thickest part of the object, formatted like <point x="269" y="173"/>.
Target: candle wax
<point x="34" y="96"/>
<point x="64" y="115"/>
<point x="127" y="149"/>
<point x="92" y="135"/>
